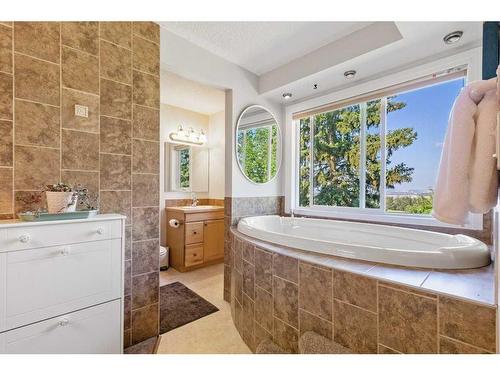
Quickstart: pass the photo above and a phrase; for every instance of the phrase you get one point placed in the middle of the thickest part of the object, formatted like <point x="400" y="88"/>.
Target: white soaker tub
<point x="370" y="242"/>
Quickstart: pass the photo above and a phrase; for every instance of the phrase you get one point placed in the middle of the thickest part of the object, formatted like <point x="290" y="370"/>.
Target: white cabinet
<point x="53" y="271"/>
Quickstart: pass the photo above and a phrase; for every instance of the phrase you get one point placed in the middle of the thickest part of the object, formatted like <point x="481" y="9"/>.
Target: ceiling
<point x="261" y="46"/>
<point x="193" y="96"/>
<point x="293" y="56"/>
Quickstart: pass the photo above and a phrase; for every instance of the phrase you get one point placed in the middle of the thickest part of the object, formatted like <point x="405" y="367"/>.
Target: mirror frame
<point x="278" y="153"/>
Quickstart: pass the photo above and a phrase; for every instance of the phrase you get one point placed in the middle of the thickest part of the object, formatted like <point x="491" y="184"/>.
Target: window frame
<point x="471" y="59"/>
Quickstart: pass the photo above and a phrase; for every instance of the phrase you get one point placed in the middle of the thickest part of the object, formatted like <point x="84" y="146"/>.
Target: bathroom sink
<point x="200" y="208"/>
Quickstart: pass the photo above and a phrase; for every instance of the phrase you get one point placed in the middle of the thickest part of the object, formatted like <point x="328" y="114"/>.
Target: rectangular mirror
<point x="186" y="168"/>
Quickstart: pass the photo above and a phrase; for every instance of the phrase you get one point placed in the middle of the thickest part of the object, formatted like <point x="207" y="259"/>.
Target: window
<point x="378" y="153"/>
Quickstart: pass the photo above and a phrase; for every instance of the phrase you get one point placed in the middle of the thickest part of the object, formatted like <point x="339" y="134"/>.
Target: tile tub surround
<point x="45" y="69"/>
<point x="237" y="208"/>
<point x="366" y="307"/>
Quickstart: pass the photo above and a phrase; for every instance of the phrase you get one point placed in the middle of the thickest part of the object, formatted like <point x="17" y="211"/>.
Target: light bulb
<point x="202" y="138"/>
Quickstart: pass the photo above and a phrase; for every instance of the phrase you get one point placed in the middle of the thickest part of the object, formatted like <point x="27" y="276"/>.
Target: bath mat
<point x="179" y="305"/>
<point x="149" y="346"/>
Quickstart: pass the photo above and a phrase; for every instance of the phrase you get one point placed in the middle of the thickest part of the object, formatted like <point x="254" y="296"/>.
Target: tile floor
<point x="213" y="334"/>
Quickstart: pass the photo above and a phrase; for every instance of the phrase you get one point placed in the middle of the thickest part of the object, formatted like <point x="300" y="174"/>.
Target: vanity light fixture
<point x="453" y="37"/>
<point x="349" y="74"/>
<point x="287" y="95"/>
<point x="190" y="137"/>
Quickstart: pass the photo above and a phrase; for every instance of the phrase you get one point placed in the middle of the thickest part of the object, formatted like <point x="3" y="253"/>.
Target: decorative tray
<point x="45" y="216"/>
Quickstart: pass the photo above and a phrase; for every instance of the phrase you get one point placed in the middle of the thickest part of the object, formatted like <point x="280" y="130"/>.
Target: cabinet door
<point x="213" y="240"/>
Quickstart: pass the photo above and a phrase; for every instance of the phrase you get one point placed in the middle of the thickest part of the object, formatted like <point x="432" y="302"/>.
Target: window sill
<point x="476" y="220"/>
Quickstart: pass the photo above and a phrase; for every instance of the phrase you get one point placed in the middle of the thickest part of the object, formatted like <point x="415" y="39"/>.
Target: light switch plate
<point x="81" y="110"/>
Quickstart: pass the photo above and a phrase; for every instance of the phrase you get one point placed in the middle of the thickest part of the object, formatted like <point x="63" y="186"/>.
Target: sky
<point x="427" y="111"/>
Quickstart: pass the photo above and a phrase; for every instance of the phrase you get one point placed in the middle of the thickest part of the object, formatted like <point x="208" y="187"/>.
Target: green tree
<point x="337" y="155"/>
<point x="253" y="152"/>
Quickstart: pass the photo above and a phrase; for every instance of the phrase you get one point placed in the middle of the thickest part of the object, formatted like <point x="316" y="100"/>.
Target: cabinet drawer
<point x="41" y="283"/>
<point x="95" y="330"/>
<point x="30" y="237"/>
<point x="193" y="255"/>
<point x="194" y="232"/>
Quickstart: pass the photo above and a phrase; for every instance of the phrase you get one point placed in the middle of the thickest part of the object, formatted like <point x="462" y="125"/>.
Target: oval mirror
<point x="258" y="144"/>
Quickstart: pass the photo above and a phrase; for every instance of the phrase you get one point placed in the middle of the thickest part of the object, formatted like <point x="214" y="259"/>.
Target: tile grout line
<point x="13" y="185"/>
<point x="60" y="105"/>
<point x="464" y="343"/>
<point x="40" y="59"/>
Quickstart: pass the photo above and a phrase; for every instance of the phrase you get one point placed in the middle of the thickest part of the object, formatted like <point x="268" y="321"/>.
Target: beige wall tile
<point x="116" y="62"/>
<point x="37" y="39"/>
<point x="146" y="124"/>
<point x="146" y="56"/>
<point x="90" y="180"/>
<point x="6" y="93"/>
<point x="148" y="30"/>
<point x="145" y="190"/>
<point x="36" y="80"/>
<point x="286" y="267"/>
<point x="116" y="99"/>
<point x="237" y="285"/>
<point x="35" y="167"/>
<point x="467" y="322"/>
<point x="128" y="242"/>
<point x="286" y="301"/>
<point x="146" y="156"/>
<point x="309" y="322"/>
<point x="146" y="223"/>
<point x="29" y="201"/>
<point x="261" y="334"/>
<point x="37" y="124"/>
<point x="115" y="172"/>
<point x="146" y="89"/>
<point x="315" y="290"/>
<point x="116" y="202"/>
<point x="116" y="135"/>
<point x="117" y="32"/>
<point x="6" y="143"/>
<point x="355" y="328"/>
<point x="264" y="270"/>
<point x="286" y="336"/>
<point x="144" y="323"/>
<point x="80" y="71"/>
<point x="6" y="180"/>
<point x="248" y="279"/>
<point x="127" y="287"/>
<point x="248" y="318"/>
<point x="407" y="322"/>
<point x="356" y="290"/>
<point x="264" y="309"/>
<point x="248" y="252"/>
<point x="450" y="346"/>
<point x="145" y="256"/>
<point x="80" y="150"/>
<point x="5" y="49"/>
<point x="69" y="121"/>
<point x="81" y="35"/>
<point x="145" y="289"/>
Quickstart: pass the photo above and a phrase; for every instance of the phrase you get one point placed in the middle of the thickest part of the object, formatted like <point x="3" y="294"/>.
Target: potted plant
<point x="60" y="198"/>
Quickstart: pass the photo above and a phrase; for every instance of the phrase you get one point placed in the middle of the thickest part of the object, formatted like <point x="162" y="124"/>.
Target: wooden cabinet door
<point x="213" y="234"/>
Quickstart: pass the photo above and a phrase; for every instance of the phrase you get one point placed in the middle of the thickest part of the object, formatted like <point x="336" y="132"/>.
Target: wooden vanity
<point x="199" y="239"/>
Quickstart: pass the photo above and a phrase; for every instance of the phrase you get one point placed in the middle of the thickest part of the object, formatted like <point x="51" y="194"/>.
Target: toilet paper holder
<point x="175" y="223"/>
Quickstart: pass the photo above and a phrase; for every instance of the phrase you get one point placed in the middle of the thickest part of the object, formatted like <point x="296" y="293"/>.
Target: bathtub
<point x="370" y="242"/>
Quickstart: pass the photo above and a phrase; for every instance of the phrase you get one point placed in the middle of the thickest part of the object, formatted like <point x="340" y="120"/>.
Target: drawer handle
<point x="24" y="238"/>
<point x="64" y="251"/>
<point x="195" y="233"/>
<point x="100" y="230"/>
<point x="63" y="322"/>
<point x="194" y="254"/>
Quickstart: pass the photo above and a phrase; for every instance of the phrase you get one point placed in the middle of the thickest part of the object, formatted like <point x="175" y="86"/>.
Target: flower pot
<point x="58" y="202"/>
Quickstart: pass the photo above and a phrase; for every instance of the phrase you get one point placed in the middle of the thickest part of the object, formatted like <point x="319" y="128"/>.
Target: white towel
<point x="467" y="179"/>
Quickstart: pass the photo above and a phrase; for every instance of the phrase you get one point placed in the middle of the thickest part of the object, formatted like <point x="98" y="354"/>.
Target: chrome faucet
<point x="194" y="200"/>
